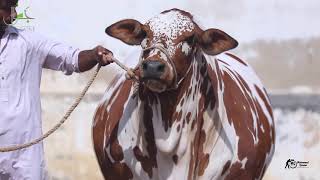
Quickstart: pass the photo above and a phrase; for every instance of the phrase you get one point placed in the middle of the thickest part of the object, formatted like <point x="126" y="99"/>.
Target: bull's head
<point x="169" y="41"/>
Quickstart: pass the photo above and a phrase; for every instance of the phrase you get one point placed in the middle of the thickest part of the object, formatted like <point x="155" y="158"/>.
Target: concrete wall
<point x="69" y="152"/>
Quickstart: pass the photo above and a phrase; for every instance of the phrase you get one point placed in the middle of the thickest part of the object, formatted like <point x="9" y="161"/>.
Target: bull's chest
<point x="188" y="148"/>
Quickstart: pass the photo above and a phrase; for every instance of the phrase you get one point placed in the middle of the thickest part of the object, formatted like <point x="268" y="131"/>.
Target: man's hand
<point x="103" y="55"/>
<point x="89" y="58"/>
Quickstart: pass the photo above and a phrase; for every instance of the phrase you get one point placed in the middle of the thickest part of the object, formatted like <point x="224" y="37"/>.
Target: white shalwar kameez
<point x="23" y="54"/>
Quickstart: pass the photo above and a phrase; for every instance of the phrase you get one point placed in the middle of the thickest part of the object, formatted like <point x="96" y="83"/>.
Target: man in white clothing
<point x="23" y="54"/>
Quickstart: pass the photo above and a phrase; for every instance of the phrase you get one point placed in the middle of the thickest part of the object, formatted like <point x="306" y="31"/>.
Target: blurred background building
<point x="280" y="39"/>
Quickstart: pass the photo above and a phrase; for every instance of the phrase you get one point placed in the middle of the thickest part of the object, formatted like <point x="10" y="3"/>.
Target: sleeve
<point x="61" y="57"/>
<point x="58" y="56"/>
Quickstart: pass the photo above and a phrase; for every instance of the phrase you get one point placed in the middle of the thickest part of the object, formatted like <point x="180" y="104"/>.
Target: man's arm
<point x="62" y="57"/>
<point x="89" y="58"/>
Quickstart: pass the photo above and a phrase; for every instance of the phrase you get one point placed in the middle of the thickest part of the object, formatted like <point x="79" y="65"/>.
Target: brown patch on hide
<point x="179" y="116"/>
<point x="223" y="62"/>
<point x="188" y="117"/>
<point x="193" y="124"/>
<point x="115" y="148"/>
<point x="203" y="157"/>
<point x="118" y="171"/>
<point x="236" y="172"/>
<point x="148" y="162"/>
<point x="175" y="159"/>
<point x="225" y="167"/>
<point x="192" y="162"/>
<point x="201" y="160"/>
<point x="265" y="100"/>
<point x="236" y="58"/>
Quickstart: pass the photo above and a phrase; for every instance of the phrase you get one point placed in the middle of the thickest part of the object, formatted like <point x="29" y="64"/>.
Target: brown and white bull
<point x="198" y="113"/>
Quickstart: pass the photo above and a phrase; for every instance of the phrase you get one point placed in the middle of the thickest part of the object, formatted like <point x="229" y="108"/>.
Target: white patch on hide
<point x="243" y="163"/>
<point x="144" y="43"/>
<point x="186" y="48"/>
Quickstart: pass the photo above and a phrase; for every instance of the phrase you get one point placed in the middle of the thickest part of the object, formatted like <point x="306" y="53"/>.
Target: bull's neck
<point x="175" y="109"/>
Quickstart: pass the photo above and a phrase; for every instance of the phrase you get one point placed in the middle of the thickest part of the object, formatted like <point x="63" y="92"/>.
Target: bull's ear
<point x="215" y="41"/>
<point x="129" y="31"/>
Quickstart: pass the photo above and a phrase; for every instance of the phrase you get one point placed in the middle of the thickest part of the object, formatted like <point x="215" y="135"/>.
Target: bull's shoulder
<point x="115" y="91"/>
<point x="107" y="117"/>
<point x="113" y="87"/>
<point x="114" y="99"/>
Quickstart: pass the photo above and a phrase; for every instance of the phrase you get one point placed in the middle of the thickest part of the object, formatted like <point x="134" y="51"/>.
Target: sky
<point x="81" y="23"/>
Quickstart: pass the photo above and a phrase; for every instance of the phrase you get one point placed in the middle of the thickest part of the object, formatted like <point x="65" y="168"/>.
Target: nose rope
<point x="130" y="72"/>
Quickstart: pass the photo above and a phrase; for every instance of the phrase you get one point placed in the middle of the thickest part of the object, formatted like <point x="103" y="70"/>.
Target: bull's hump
<point x="170" y="25"/>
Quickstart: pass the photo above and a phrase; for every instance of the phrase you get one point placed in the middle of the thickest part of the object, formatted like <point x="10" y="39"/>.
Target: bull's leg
<point x="251" y="171"/>
<point x="109" y="152"/>
<point x="112" y="163"/>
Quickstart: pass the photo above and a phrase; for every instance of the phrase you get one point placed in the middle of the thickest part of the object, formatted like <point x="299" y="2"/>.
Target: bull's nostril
<point x="153" y="69"/>
<point x="161" y="68"/>
<point x="144" y="66"/>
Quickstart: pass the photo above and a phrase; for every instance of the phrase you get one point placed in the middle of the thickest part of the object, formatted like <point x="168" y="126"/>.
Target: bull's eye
<point x="190" y="40"/>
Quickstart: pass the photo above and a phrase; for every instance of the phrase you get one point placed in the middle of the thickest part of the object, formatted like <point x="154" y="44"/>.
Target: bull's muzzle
<point x="152" y="69"/>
